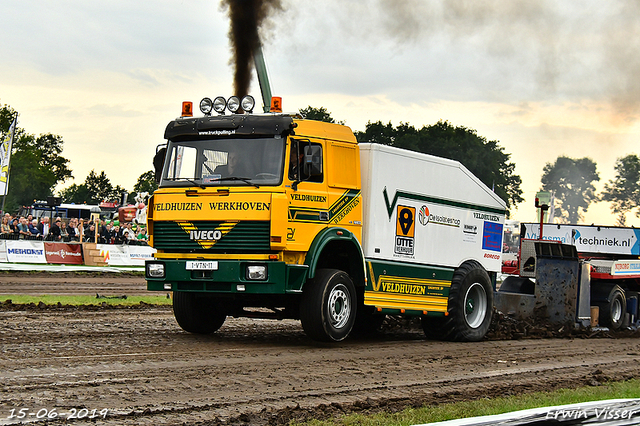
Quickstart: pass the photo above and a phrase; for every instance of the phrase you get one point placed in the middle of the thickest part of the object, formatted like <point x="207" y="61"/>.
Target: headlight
<point x="233" y="104"/>
<point x="155" y="270"/>
<point x="257" y="272"/>
<point x="206" y="106"/>
<point x="248" y="103"/>
<point x="219" y="104"/>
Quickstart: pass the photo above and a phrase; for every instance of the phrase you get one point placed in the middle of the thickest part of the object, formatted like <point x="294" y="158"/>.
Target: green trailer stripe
<point x="435" y="200"/>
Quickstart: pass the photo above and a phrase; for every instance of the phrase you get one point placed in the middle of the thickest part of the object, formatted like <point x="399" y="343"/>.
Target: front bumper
<point x="226" y="276"/>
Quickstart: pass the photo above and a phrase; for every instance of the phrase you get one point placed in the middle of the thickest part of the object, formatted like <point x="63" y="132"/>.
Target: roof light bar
<point x="233" y="104"/>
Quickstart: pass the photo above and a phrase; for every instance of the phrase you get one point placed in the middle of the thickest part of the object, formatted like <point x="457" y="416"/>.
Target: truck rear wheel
<point x="328" y="306"/>
<point x="612" y="312"/>
<point x="470" y="306"/>
<point x="196" y="314"/>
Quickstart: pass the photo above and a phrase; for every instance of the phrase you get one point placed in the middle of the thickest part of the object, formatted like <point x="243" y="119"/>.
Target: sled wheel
<point x="612" y="313"/>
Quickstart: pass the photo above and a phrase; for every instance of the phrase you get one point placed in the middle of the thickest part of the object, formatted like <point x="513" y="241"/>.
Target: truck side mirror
<point x="312" y="160"/>
<point x="158" y="162"/>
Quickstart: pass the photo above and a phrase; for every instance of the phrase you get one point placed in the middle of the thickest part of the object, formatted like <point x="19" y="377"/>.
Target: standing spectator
<point x="15" y="229"/>
<point x="107" y="235"/>
<point x="90" y="234"/>
<point x="143" y="238"/>
<point x="44" y="227"/>
<point x="23" y="228"/>
<point x="54" y="232"/>
<point x="34" y="233"/>
<point x="64" y="231"/>
<point x="117" y="235"/>
<point x="72" y="230"/>
<point x="6" y="227"/>
<point x="129" y="233"/>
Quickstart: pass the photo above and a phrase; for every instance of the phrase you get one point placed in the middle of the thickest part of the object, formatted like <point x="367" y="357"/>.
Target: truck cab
<point x="249" y="207"/>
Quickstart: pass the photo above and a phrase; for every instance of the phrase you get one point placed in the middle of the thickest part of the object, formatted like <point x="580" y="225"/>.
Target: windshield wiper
<point x="242" y="179"/>
<point x="199" y="185"/>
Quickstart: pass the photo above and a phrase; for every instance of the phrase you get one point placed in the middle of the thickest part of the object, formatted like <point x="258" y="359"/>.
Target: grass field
<point x="84" y="300"/>
<point x="488" y="406"/>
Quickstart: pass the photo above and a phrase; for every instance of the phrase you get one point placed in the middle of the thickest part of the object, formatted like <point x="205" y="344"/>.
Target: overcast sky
<point x="544" y="78"/>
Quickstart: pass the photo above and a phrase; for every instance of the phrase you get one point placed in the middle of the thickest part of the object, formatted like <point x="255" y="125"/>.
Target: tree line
<point x="38" y="167"/>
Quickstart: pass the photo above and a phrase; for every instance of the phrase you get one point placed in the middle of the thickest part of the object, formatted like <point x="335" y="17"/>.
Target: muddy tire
<point x="328" y="306"/>
<point x="197" y="314"/>
<point x="612" y="312"/>
<point x="470" y="307"/>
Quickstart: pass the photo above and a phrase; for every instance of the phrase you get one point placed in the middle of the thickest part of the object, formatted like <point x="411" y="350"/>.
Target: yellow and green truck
<point x="274" y="216"/>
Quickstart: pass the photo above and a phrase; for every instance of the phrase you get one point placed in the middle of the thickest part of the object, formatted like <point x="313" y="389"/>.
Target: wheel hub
<point x="339" y="307"/>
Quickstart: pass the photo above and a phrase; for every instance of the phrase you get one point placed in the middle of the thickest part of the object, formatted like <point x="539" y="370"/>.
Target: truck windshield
<point x="224" y="162"/>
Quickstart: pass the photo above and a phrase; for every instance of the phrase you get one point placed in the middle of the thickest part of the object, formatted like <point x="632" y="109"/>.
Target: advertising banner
<point x="3" y="251"/>
<point x="25" y="251"/>
<point x="124" y="255"/>
<point x="62" y="253"/>
<point x="589" y="239"/>
<point x="138" y="254"/>
<point x="114" y="255"/>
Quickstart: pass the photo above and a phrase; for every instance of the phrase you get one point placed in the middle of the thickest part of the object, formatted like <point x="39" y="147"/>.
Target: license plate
<point x="194" y="265"/>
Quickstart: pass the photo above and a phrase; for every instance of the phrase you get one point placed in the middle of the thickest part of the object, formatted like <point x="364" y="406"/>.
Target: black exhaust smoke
<point x="247" y="16"/>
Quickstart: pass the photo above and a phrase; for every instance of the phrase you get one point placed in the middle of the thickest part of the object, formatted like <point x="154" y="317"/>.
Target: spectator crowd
<point x="72" y="230"/>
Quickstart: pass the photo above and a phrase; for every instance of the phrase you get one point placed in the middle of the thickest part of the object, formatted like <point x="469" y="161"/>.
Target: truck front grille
<point x="243" y="236"/>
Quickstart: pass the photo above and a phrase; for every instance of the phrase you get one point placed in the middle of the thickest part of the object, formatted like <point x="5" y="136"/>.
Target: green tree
<point x="95" y="189"/>
<point x="484" y="158"/>
<point x="623" y="192"/>
<point x="318" y="114"/>
<point x="77" y="194"/>
<point x="37" y="165"/>
<point x="571" y="181"/>
<point x="146" y="183"/>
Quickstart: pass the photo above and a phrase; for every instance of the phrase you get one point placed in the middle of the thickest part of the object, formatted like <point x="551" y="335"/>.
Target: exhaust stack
<point x="263" y="78"/>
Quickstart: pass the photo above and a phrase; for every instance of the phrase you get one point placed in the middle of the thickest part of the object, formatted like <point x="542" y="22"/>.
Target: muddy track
<point x="140" y="366"/>
<point x="73" y="283"/>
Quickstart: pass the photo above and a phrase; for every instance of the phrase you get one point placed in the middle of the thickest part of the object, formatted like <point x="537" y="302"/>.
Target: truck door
<point x="306" y="193"/>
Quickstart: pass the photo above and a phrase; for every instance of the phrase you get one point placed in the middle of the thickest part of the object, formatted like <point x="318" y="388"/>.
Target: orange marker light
<point x="187" y="109"/>
<point x="276" y="104"/>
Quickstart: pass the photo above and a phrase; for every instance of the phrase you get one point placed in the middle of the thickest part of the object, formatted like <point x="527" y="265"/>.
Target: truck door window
<point x="181" y="163"/>
<point x="296" y="161"/>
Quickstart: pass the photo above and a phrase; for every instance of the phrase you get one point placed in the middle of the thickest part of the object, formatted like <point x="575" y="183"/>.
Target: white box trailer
<point x="428" y="210"/>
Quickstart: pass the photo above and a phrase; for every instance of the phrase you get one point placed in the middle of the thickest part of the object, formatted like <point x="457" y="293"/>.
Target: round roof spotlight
<point x="219" y="104"/>
<point x="206" y="106"/>
<point x="233" y="104"/>
<point x="248" y="103"/>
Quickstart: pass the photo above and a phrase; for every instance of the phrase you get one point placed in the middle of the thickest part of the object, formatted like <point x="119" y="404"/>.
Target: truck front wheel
<point x="328" y="306"/>
<point x="612" y="312"/>
<point x="470" y="306"/>
<point x="196" y="314"/>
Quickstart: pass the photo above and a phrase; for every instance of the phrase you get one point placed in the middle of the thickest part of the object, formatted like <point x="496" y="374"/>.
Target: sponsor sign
<point x="25" y="251"/>
<point x="492" y="236"/>
<point x="405" y="230"/>
<point x="3" y="251"/>
<point x="62" y="253"/>
<point x="117" y="255"/>
<point x="625" y="267"/>
<point x="138" y="254"/>
<point x="589" y="239"/>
